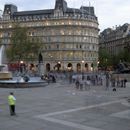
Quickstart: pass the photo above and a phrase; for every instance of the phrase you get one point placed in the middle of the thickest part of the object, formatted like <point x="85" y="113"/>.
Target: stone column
<point x="41" y="65"/>
<point x="41" y="69"/>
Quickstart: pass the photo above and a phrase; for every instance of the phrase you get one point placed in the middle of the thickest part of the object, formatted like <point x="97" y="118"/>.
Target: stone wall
<point x="122" y="76"/>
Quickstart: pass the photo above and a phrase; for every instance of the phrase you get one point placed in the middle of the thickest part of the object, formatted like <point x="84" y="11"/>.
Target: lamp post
<point x="21" y="67"/>
<point x="82" y="68"/>
<point x="98" y="65"/>
<point x="58" y="65"/>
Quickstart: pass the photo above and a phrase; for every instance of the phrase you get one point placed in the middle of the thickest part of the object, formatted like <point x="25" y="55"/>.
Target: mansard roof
<point x="72" y="10"/>
<point x="34" y="12"/>
<point x="59" y="5"/>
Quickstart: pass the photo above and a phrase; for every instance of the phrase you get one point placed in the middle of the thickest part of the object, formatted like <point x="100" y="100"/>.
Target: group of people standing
<point x="114" y="81"/>
<point x="105" y="79"/>
<point x="119" y="82"/>
<point x="86" y="81"/>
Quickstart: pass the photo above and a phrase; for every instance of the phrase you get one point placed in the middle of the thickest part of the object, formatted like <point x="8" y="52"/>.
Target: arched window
<point x="70" y="66"/>
<point x="86" y="66"/>
<point x="78" y="67"/>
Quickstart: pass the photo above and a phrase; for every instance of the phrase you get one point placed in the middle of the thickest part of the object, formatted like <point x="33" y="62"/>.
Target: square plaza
<point x="59" y="106"/>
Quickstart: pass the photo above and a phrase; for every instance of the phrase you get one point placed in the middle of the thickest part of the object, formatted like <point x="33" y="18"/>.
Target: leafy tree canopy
<point x="21" y="47"/>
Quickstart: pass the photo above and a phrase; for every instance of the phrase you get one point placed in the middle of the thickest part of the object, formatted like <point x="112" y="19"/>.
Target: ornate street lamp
<point x="82" y="68"/>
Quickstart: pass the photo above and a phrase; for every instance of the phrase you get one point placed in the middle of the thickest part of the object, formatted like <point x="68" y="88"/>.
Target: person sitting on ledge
<point x="26" y="78"/>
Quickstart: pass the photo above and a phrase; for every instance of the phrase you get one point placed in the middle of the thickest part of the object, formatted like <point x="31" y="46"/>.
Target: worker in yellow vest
<point x="11" y="102"/>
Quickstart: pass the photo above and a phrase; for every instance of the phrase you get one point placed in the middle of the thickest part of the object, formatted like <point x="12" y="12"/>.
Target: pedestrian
<point x="113" y="83"/>
<point x="107" y="80"/>
<point x="125" y="81"/>
<point x="11" y="102"/>
<point x="81" y="83"/>
<point x="77" y="83"/>
<point x="122" y="83"/>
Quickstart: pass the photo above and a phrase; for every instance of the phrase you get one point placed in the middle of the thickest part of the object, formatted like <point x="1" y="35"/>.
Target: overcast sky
<point x="109" y="12"/>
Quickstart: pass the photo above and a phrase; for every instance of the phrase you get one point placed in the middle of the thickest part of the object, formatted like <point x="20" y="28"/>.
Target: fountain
<point x="8" y="81"/>
<point x="4" y="73"/>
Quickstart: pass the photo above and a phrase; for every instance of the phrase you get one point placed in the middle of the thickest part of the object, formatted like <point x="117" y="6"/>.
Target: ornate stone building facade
<point x="115" y="40"/>
<point x="69" y="35"/>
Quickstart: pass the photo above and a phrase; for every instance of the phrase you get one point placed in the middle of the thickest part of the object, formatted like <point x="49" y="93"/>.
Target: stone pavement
<point x="59" y="106"/>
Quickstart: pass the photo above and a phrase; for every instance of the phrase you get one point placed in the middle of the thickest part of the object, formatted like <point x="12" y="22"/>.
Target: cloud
<point x="112" y="12"/>
<point x="109" y="12"/>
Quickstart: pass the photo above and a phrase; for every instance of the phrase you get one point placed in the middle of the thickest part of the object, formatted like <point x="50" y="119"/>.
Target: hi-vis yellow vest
<point x="11" y="100"/>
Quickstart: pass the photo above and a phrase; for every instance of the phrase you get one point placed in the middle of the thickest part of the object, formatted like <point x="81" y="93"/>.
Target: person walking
<point x="107" y="80"/>
<point x="11" y="102"/>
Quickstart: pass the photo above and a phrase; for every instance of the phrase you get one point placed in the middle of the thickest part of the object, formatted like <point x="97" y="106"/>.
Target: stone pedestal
<point x="41" y="68"/>
<point x="5" y="75"/>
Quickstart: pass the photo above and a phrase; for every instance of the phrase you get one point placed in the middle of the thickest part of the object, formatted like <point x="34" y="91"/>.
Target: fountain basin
<point x="5" y="75"/>
<point x="22" y="85"/>
<point x="14" y="83"/>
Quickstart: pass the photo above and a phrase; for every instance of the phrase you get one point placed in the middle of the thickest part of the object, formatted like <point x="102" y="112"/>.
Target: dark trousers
<point x="12" y="110"/>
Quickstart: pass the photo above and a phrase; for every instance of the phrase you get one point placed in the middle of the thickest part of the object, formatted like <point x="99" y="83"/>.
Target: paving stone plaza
<point x="59" y="106"/>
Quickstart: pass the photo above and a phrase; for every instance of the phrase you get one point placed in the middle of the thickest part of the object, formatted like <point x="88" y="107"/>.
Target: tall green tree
<point x="127" y="55"/>
<point x="21" y="47"/>
<point x="104" y="58"/>
<point x="122" y="56"/>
